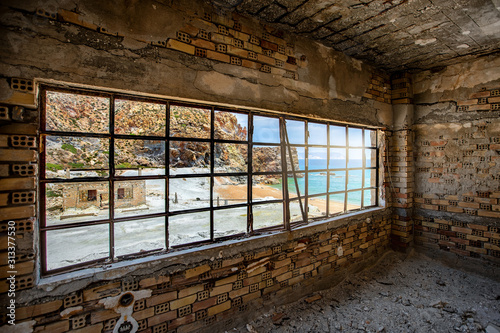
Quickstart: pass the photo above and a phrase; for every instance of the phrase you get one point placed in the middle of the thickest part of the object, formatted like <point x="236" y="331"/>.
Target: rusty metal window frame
<point x="111" y="179"/>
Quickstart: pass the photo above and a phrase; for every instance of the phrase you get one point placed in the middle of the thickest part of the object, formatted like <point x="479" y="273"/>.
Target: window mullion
<point x="111" y="191"/>
<point x="167" y="174"/>
<point x="212" y="168"/>
<point x="250" y="174"/>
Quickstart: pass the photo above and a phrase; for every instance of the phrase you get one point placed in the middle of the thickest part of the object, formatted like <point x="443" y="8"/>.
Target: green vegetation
<point x="53" y="167"/>
<point x="127" y="165"/>
<point x="68" y="147"/>
<point x="53" y="194"/>
<point x="76" y="165"/>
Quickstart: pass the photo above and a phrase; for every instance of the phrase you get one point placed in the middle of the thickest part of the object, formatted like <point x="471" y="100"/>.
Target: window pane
<point x="337" y="181"/>
<point x="317" y="183"/>
<point x="355" y="158"/>
<point x="189" y="122"/>
<point x="230" y="190"/>
<point x="337" y="135"/>
<point x="317" y="134"/>
<point x="189" y="193"/>
<point x="301" y="181"/>
<point x="139" y="118"/>
<point x="189" y="157"/>
<point x="76" y="202"/>
<point x="77" y="245"/>
<point x="229" y="222"/>
<point x="317" y="158"/>
<point x="355" y="137"/>
<point x="355" y="179"/>
<point x="371" y="158"/>
<point x="266" y="129"/>
<point x="353" y="200"/>
<point x="266" y="159"/>
<point x="139" y="236"/>
<point x="74" y="157"/>
<point x="231" y="126"/>
<point x="317" y="207"/>
<point x="77" y="113"/>
<point x="336" y="204"/>
<point x="295" y="212"/>
<point x="298" y="157"/>
<point x="139" y="157"/>
<point x="267" y="187"/>
<point x="370" y="138"/>
<point x="268" y="215"/>
<point x="370" y="178"/>
<point x="230" y="157"/>
<point x="337" y="158"/>
<point x="188" y="228"/>
<point x="139" y="197"/>
<point x="369" y="197"/>
<point x="296" y="131"/>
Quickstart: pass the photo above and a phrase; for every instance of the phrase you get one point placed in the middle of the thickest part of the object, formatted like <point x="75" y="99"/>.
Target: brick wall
<point x="457" y="192"/>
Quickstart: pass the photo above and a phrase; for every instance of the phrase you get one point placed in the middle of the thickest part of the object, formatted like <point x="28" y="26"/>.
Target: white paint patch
<point x="70" y="311"/>
<point x="466" y="32"/>
<point x="463" y="46"/>
<point x="423" y="42"/>
<point x="340" y="251"/>
<point x="126" y="320"/>
<point x="24" y="327"/>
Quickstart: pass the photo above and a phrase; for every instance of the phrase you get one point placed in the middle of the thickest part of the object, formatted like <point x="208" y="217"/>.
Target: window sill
<point x="180" y="260"/>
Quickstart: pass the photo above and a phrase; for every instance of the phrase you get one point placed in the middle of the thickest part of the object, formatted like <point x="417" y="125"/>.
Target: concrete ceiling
<point x="392" y="35"/>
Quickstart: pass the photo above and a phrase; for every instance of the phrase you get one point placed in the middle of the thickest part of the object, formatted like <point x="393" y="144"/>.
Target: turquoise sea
<point x="318" y="180"/>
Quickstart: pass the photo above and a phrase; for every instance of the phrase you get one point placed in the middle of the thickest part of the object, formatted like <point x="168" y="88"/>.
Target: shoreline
<point x="262" y="191"/>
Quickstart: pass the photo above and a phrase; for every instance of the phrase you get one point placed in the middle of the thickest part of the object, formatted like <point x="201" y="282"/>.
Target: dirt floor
<point x="402" y="293"/>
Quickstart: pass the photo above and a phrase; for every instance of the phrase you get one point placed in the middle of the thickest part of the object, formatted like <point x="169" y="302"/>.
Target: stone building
<point x="410" y="89"/>
<point x="85" y="195"/>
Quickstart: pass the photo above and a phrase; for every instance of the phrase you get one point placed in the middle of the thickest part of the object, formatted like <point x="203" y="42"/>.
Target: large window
<point x="124" y="176"/>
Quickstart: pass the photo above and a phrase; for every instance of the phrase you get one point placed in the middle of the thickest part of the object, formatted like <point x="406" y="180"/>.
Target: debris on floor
<point x="402" y="293"/>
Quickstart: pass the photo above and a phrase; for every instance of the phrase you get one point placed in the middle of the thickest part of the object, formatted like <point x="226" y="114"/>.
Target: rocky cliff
<point x="77" y="113"/>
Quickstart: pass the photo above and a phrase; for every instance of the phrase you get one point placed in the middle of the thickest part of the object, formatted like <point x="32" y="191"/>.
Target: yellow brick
<point x="229" y="279"/>
<point x="89" y="329"/>
<point x="20" y="98"/>
<point x="239" y="292"/>
<point x="191" y="290"/>
<point x="161" y="298"/>
<point x="148" y="282"/>
<point x="239" y="35"/>
<point x="25" y="183"/>
<point x="17" y="155"/>
<point x="180" y="46"/>
<point x="219" y="308"/>
<point x="221" y="290"/>
<point x="103" y="315"/>
<point x="251" y="296"/>
<point x="182" y="302"/>
<point x="18" y="212"/>
<point x="146" y="313"/>
<point x="218" y="56"/>
<point x="37" y="310"/>
<point x="196" y="271"/>
<point x="204" y="44"/>
<point x="22" y="268"/>
<point x="57" y="327"/>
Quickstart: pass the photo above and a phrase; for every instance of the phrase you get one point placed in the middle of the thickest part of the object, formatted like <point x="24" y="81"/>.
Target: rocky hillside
<point x="79" y="113"/>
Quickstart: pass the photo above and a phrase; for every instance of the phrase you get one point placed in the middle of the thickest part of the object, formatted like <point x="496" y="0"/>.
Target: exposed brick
<point x="180" y="46"/>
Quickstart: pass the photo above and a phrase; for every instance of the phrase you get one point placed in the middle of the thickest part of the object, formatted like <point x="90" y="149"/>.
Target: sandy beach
<point x="260" y="191"/>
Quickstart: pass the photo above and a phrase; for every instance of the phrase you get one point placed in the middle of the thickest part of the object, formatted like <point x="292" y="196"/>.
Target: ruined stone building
<point x="258" y="152"/>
